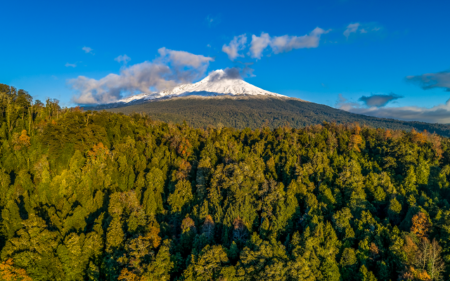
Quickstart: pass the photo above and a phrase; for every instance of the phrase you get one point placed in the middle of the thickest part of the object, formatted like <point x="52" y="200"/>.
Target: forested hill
<point x="104" y="196"/>
<point x="255" y="112"/>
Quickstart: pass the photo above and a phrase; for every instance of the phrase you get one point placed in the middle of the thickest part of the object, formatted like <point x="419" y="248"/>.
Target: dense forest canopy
<point x="88" y="195"/>
<point x="254" y="112"/>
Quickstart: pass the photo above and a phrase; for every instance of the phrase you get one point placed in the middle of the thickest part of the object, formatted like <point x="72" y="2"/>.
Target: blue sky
<point x="382" y="58"/>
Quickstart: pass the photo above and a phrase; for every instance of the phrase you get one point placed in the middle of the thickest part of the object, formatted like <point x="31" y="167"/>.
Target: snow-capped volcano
<point x="217" y="83"/>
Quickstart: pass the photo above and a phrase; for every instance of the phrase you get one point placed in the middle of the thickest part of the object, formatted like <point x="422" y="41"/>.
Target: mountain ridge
<point x="256" y="111"/>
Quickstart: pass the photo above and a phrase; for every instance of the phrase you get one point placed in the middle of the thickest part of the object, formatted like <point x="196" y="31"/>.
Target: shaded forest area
<point x="256" y="112"/>
<point x="88" y="195"/>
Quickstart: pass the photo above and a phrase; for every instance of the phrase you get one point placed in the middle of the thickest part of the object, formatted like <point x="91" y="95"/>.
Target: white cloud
<point x="123" y="58"/>
<point x="258" y="44"/>
<point x="170" y="69"/>
<point x="285" y="43"/>
<point x="137" y="78"/>
<point x="71" y="65"/>
<point x="87" y="50"/>
<point x="351" y="28"/>
<point x="182" y="58"/>
<point x="237" y="44"/>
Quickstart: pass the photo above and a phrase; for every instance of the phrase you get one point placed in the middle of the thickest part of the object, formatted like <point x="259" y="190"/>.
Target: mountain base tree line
<point x="88" y="195"/>
<point x="254" y="112"/>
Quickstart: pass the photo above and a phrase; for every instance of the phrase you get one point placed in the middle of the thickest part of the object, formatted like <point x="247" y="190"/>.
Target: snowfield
<point x="215" y="84"/>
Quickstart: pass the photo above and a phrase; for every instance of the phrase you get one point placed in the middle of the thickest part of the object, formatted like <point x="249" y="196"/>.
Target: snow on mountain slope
<point x="217" y="83"/>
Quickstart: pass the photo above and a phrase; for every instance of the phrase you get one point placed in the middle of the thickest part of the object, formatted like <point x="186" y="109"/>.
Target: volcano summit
<point x="217" y="83"/>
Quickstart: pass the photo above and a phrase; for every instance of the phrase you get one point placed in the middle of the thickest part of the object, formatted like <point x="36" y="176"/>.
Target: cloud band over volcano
<point x="170" y="69"/>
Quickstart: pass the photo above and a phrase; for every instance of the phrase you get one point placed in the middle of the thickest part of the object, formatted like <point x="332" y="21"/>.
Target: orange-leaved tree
<point x="355" y="141"/>
<point x="21" y="141"/>
<point x="420" y="225"/>
<point x="10" y="273"/>
<point x="419" y="137"/>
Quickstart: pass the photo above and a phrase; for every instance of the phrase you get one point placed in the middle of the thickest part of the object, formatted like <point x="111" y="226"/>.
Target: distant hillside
<point x="254" y="112"/>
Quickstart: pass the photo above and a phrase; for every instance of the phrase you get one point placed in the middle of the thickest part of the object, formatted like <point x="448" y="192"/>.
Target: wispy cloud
<point x="71" y="64"/>
<point x="87" y="50"/>
<point x="258" y="44"/>
<point x="436" y="114"/>
<point x="170" y="69"/>
<point x="360" y="28"/>
<point x="375" y="105"/>
<point x="285" y="43"/>
<point x="236" y="45"/>
<point x="351" y="28"/>
<point x="345" y="104"/>
<point x="182" y="58"/>
<point x="432" y="80"/>
<point x="123" y="58"/>
<point x="212" y="21"/>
